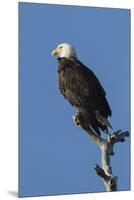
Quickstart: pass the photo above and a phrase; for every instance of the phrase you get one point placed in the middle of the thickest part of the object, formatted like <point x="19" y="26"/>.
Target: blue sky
<point x="55" y="156"/>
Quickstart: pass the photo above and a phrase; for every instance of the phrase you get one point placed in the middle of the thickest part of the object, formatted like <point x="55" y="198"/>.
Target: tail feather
<point x="102" y="119"/>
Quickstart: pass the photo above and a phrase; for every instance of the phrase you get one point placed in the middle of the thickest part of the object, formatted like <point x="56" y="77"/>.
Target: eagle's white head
<point x="64" y="50"/>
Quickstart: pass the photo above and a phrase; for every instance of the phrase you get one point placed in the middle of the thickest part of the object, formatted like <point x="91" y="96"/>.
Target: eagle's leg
<point x="79" y="121"/>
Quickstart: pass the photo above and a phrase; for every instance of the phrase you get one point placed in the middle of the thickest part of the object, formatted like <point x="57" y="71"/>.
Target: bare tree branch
<point x="106" y="146"/>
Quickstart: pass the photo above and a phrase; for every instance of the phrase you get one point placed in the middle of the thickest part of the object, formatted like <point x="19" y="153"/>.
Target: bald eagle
<point x="80" y="86"/>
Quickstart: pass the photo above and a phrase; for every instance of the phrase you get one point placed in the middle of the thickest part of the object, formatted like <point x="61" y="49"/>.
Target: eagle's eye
<point x="60" y="47"/>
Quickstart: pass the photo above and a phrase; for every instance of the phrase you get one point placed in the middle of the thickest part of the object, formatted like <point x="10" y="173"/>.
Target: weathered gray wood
<point x="106" y="146"/>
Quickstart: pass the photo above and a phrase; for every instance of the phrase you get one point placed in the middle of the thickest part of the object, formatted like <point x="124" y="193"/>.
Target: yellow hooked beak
<point x="55" y="51"/>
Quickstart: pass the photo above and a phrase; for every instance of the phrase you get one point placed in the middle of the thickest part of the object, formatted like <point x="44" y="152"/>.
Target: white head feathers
<point x="64" y="50"/>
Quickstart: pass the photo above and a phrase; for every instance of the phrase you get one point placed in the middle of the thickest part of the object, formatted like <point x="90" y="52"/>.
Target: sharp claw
<point x="75" y="119"/>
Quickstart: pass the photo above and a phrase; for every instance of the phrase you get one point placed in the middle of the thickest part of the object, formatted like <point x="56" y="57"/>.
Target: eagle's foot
<point x="77" y="119"/>
<point x="80" y="122"/>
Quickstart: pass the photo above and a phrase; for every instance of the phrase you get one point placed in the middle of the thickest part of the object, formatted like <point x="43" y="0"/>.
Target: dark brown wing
<point x="80" y="86"/>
